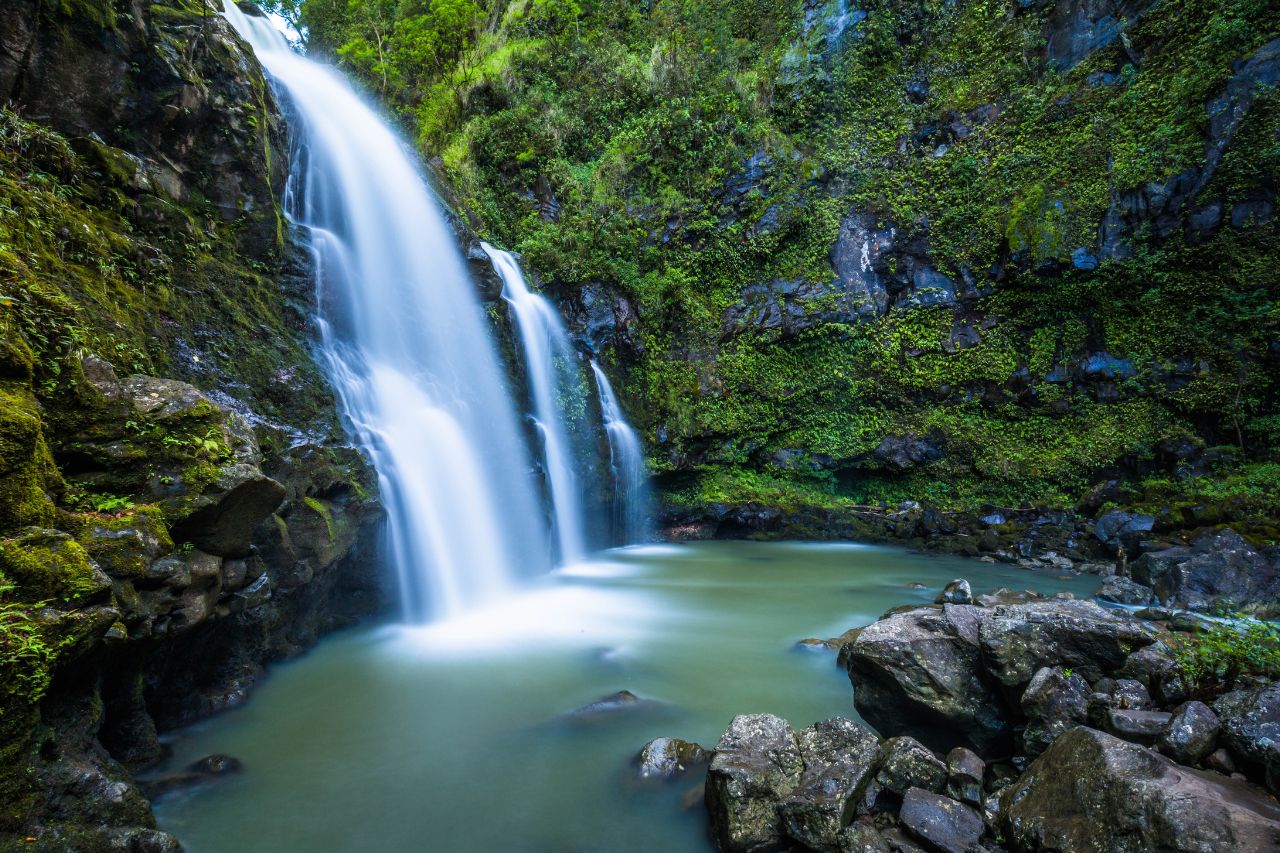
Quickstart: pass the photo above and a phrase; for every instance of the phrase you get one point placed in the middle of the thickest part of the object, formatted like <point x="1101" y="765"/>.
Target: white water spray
<point x="406" y="345"/>
<point x="626" y="459"/>
<point x="551" y="366"/>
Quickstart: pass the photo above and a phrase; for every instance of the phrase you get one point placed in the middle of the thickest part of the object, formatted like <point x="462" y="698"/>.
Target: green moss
<point x="49" y="564"/>
<point x="322" y="509"/>
<point x="124" y="545"/>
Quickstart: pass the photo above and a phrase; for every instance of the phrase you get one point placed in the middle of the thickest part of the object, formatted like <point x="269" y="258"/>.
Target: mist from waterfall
<point x="407" y="347"/>
<point x="626" y="464"/>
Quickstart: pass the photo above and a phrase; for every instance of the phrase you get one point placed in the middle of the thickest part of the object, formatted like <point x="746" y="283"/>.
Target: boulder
<point x="1054" y="702"/>
<point x="1119" y="529"/>
<point x="1091" y="791"/>
<point x="667" y="758"/>
<point x="757" y="764"/>
<point x="1191" y="734"/>
<point x="1218" y="570"/>
<point x="1018" y="640"/>
<point x="920" y="673"/>
<point x="609" y="707"/>
<point x="1122" y="590"/>
<point x="1251" y="731"/>
<point x="840" y="757"/>
<point x="940" y="822"/>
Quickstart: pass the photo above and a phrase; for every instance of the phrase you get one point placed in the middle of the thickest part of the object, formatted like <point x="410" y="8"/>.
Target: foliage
<point x="1213" y="661"/>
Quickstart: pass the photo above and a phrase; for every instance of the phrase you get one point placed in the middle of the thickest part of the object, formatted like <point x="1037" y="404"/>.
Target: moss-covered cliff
<point x="849" y="253"/>
<point x="178" y="505"/>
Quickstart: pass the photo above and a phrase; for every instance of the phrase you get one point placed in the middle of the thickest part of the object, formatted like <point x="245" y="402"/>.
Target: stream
<point x="453" y="736"/>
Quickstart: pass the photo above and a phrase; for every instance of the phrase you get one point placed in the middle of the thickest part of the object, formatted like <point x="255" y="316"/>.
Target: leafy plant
<point x="1215" y="660"/>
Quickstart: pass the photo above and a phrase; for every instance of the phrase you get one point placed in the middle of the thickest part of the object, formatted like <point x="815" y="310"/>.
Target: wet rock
<point x="1138" y="726"/>
<point x="862" y="837"/>
<point x="940" y="822"/>
<point x="1118" y="528"/>
<point x="956" y="592"/>
<point x="1054" y="702"/>
<point x="1135" y="799"/>
<point x="667" y="758"/>
<point x="840" y="757"/>
<point x="908" y="763"/>
<point x="198" y="772"/>
<point x="1217" y="570"/>
<point x="1220" y="760"/>
<point x="756" y="765"/>
<point x="1018" y="640"/>
<point x="1122" y="590"/>
<point x="902" y="452"/>
<point x="965" y="774"/>
<point x="1191" y="734"/>
<point x="1128" y="693"/>
<point x="1251" y="731"/>
<point x="920" y="673"/>
<point x="609" y="707"/>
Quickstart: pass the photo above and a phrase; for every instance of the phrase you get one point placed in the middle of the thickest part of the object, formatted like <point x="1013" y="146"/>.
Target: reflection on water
<point x="449" y="737"/>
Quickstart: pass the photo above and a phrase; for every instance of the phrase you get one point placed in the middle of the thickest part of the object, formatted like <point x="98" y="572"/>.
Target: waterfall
<point x="551" y="367"/>
<point x="626" y="460"/>
<point x="406" y="345"/>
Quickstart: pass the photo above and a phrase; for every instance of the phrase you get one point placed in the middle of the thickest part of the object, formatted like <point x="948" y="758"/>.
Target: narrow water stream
<point x="451" y="737"/>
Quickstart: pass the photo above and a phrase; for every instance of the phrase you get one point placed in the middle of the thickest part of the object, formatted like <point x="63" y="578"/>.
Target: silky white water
<point x="551" y="366"/>
<point x="626" y="464"/>
<point x="406" y="346"/>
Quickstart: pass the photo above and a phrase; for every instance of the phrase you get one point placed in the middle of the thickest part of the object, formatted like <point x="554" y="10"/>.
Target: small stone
<point x="1220" y="760"/>
<point x="965" y="772"/>
<point x="1137" y="726"/>
<point x="1131" y="694"/>
<point x="941" y="822"/>
<point x="956" y="592"/>
<point x="1191" y="734"/>
<point x="667" y="758"/>
<point x="909" y="763"/>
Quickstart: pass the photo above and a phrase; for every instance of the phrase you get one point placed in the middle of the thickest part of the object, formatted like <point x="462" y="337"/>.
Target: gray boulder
<point x="1251" y="731"/>
<point x="840" y="758"/>
<point x="1091" y="791"/>
<point x="1122" y="590"/>
<point x="757" y="764"/>
<point x="1191" y="734"/>
<point x="1017" y="641"/>
<point x="909" y="764"/>
<point x="1122" y="529"/>
<point x="1054" y="703"/>
<point x="920" y="673"/>
<point x="940" y="822"/>
<point x="1217" y="570"/>
<point x="1138" y="726"/>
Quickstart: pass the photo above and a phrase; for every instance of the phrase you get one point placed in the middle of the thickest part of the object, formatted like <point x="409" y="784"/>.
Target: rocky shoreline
<point x="1007" y="721"/>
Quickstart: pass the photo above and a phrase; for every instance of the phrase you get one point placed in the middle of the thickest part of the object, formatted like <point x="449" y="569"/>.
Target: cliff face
<point x="179" y="504"/>
<point x="845" y="253"/>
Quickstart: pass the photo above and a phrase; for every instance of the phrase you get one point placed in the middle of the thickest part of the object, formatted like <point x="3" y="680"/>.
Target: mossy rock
<point x="50" y="565"/>
<point x="125" y="545"/>
<point x="27" y="471"/>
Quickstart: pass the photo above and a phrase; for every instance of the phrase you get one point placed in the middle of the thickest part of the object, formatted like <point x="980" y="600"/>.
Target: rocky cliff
<point x="179" y="503"/>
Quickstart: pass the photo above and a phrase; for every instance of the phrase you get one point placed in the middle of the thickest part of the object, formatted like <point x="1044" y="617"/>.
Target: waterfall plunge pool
<point x="451" y="737"/>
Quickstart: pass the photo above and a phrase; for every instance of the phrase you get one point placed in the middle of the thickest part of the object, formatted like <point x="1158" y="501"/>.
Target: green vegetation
<point x="603" y="139"/>
<point x="1214" y="661"/>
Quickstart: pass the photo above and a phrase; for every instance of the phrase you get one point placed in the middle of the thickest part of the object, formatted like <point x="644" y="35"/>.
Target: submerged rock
<point x="1092" y="791"/>
<point x="667" y="758"/>
<point x="608" y="707"/>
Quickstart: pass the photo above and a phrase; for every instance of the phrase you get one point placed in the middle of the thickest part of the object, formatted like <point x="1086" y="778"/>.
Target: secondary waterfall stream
<point x="626" y="463"/>
<point x="550" y="364"/>
<point x="406" y="345"/>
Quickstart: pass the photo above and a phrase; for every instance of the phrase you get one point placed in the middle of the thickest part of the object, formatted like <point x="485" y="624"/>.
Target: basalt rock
<point x="1216" y="571"/>
<point x="1191" y="734"/>
<point x="1134" y="799"/>
<point x="756" y="766"/>
<point x="921" y="673"/>
<point x="840" y="758"/>
<point x="668" y="758"/>
<point x="1250" y="730"/>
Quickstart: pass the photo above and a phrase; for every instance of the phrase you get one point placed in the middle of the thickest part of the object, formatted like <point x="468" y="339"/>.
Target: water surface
<point x="450" y="737"/>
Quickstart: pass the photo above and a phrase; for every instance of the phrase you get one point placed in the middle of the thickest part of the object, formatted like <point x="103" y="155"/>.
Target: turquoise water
<point x="451" y="737"/>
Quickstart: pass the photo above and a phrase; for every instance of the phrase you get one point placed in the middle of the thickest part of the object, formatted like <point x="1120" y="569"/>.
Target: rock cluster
<point x="1016" y="722"/>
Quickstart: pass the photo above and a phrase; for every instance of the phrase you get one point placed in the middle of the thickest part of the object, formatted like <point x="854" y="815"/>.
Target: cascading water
<point x="626" y="460"/>
<point x="551" y="365"/>
<point x="406" y="345"/>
